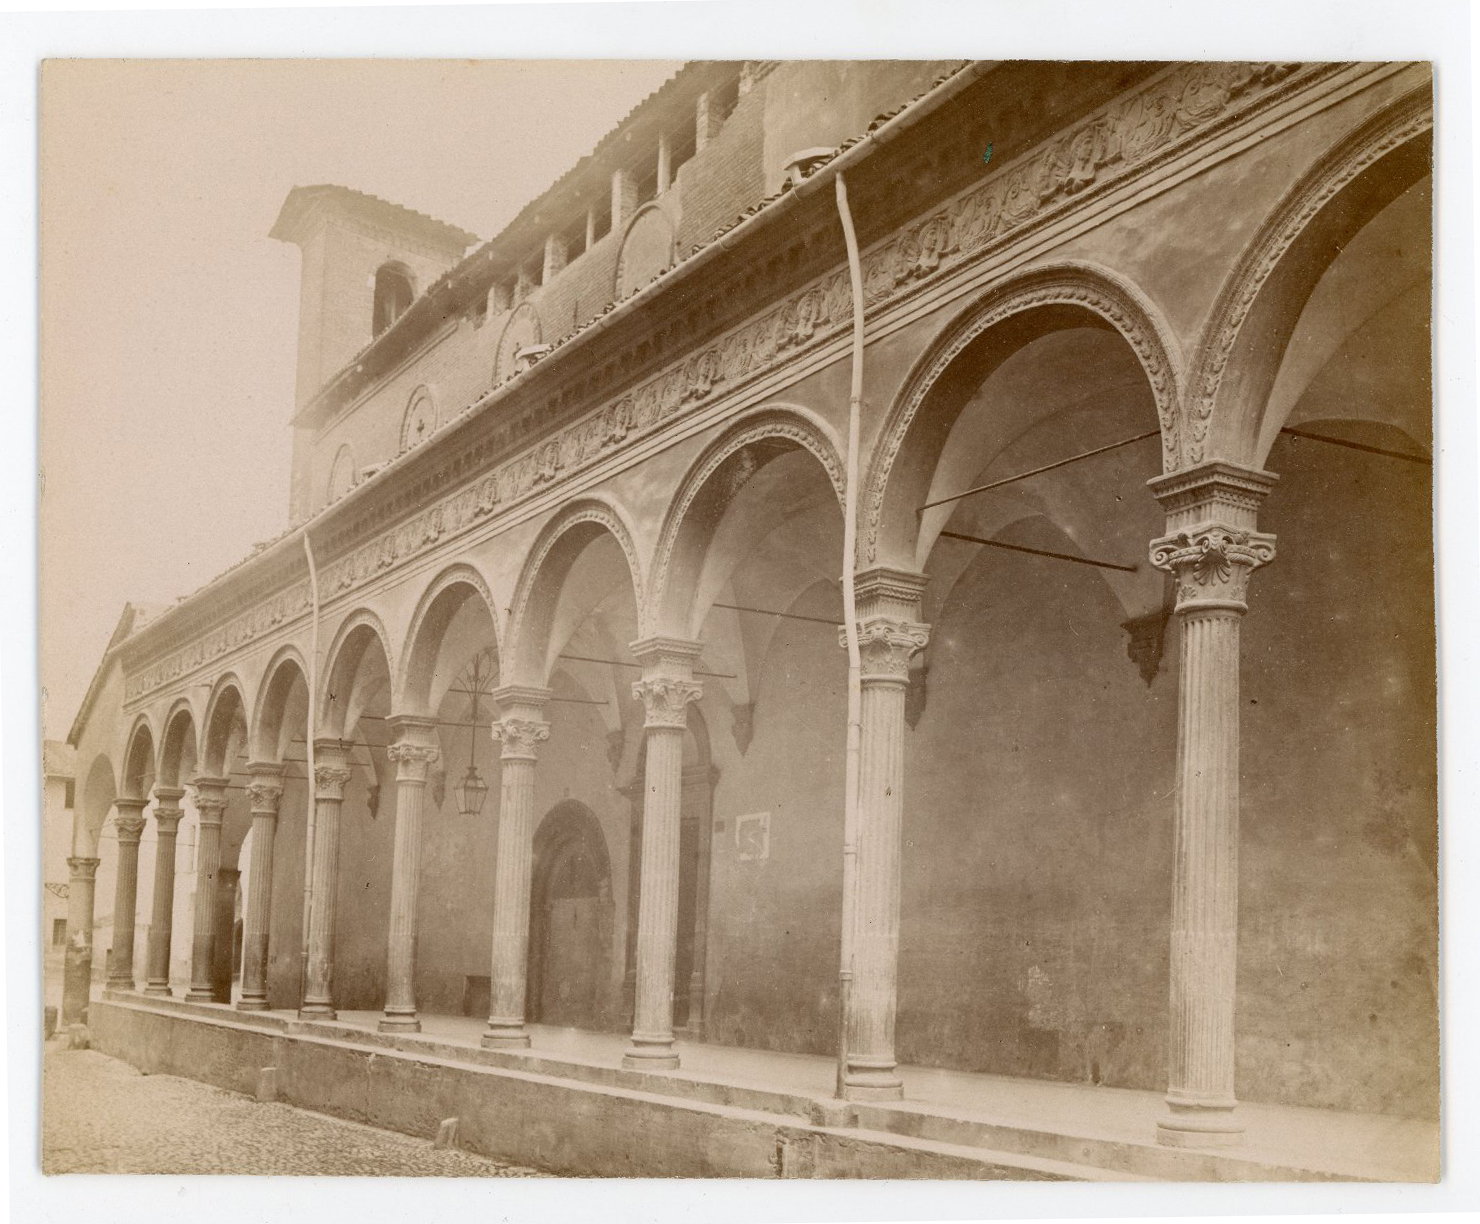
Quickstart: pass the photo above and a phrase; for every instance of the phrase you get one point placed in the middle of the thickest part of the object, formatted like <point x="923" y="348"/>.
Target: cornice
<point x="406" y="510"/>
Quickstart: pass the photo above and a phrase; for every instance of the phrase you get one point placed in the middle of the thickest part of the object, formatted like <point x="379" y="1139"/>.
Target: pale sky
<point x="169" y="318"/>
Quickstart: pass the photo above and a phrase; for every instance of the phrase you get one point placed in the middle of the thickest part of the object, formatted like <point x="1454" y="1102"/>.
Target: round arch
<point x="1252" y="320"/>
<point x="138" y="760"/>
<point x="439" y="603"/>
<point x="571" y="864"/>
<point x="226" y="708"/>
<point x="355" y="635"/>
<point x="284" y="670"/>
<point x="647" y="249"/>
<point x="711" y="483"/>
<point x="180" y="746"/>
<point x="419" y="421"/>
<point x="555" y="550"/>
<point x="1012" y="315"/>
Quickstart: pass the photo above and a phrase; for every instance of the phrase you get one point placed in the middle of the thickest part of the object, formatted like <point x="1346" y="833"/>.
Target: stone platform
<point x="567" y="1105"/>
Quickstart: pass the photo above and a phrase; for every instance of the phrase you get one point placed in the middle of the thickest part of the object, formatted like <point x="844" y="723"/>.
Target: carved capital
<point x="519" y="737"/>
<point x="665" y="699"/>
<point x="265" y="795"/>
<point x="330" y="781"/>
<point x="209" y="799"/>
<point x="1211" y="564"/>
<point x="413" y="760"/>
<point x="168" y="820"/>
<point x="129" y="826"/>
<point x="83" y="869"/>
<point x="886" y="647"/>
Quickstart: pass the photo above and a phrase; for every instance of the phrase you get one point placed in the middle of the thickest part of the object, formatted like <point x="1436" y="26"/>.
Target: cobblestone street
<point x="101" y="1115"/>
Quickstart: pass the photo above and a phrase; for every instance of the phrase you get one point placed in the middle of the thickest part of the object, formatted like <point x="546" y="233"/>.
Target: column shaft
<point x="413" y="755"/>
<point x="520" y="730"/>
<point x="266" y="791"/>
<point x="331" y="775"/>
<point x="210" y="804"/>
<point x="77" y="968"/>
<point x="666" y="689"/>
<point x="129" y="826"/>
<point x="1211" y="550"/>
<point x="228" y="880"/>
<point x="161" y="922"/>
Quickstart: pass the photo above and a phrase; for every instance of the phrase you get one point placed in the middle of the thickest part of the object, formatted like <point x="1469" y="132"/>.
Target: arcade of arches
<point x="1117" y="813"/>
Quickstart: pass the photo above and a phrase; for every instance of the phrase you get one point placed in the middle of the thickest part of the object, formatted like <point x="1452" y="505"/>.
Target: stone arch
<point x="356" y="633"/>
<point x="442" y="598"/>
<point x="93" y="804"/>
<point x="180" y="744"/>
<point x="1250" y="325"/>
<point x="227" y="706"/>
<point x="648" y="248"/>
<point x="732" y="458"/>
<point x="420" y="418"/>
<point x="549" y="560"/>
<point x="285" y="669"/>
<point x="1023" y="308"/>
<point x="522" y="330"/>
<point x="138" y="760"/>
<point x="569" y="837"/>
<point x="341" y="474"/>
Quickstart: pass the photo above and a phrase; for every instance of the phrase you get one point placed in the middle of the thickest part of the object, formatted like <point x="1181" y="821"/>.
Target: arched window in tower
<point x="393" y="294"/>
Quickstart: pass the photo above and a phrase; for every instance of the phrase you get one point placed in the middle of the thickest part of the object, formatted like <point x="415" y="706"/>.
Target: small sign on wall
<point x="753" y="836"/>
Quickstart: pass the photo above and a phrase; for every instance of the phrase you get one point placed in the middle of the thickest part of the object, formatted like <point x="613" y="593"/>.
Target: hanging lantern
<point x="471" y="792"/>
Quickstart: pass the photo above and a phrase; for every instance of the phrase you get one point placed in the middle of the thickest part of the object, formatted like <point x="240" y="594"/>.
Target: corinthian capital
<point x="665" y="699"/>
<point x="886" y="647"/>
<point x="209" y="798"/>
<point x="265" y="796"/>
<point x="330" y="781"/>
<point x="413" y="760"/>
<point x="1212" y="564"/>
<point x="519" y="737"/>
<point x="129" y="825"/>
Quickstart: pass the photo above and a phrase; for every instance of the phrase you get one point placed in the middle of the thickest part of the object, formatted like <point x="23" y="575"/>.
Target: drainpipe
<point x="850" y="637"/>
<point x="309" y="735"/>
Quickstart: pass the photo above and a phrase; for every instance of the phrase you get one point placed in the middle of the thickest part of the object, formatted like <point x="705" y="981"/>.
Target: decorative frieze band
<point x="1099" y="150"/>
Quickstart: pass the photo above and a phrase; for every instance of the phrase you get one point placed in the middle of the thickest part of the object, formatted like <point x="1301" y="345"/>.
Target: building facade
<point x="539" y="710"/>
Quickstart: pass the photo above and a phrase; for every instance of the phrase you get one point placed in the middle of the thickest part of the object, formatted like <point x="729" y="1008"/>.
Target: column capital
<point x="129" y="824"/>
<point x="83" y="867"/>
<point x="130" y="809"/>
<point x="519" y="737"/>
<point x="413" y="759"/>
<point x="412" y="729"/>
<point x="266" y="787"/>
<point x="665" y="699"/>
<point x="330" y="781"/>
<point x="210" y="799"/>
<point x="168" y="796"/>
<point x="1212" y="564"/>
<point x="886" y="647"/>
<point x="167" y="813"/>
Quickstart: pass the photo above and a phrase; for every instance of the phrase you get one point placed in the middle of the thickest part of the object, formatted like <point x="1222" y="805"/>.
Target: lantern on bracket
<point x="472" y="790"/>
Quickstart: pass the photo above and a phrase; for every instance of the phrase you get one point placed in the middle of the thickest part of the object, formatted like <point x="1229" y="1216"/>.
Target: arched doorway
<point x="570" y="926"/>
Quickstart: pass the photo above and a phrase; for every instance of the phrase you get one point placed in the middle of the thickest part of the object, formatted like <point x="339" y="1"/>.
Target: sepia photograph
<point x="800" y="618"/>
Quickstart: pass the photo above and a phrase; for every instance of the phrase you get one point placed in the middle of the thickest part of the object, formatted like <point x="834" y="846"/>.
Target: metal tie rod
<point x="797" y="616"/>
<point x="1038" y="471"/>
<point x="1039" y="552"/>
<point x="1357" y="446"/>
<point x="624" y="663"/>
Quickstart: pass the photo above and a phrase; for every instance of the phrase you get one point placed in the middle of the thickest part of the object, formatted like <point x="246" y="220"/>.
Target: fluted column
<point x="1211" y="547"/>
<point x="210" y="805"/>
<point x="331" y="774"/>
<point x="414" y="751"/>
<point x="77" y="969"/>
<point x="520" y="728"/>
<point x="167" y="816"/>
<point x="266" y="792"/>
<point x="129" y="827"/>
<point x="889" y="637"/>
<point x="666" y="689"/>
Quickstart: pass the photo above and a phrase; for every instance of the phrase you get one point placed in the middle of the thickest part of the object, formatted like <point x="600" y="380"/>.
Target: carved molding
<point x="1407" y="119"/>
<point x="419" y="422"/>
<point x="265" y="795"/>
<point x="1088" y="158"/>
<point x="128" y="828"/>
<point x="330" y="781"/>
<point x="413" y="761"/>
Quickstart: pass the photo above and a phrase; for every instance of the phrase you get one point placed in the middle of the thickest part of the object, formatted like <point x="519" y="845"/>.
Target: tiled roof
<point x="302" y="200"/>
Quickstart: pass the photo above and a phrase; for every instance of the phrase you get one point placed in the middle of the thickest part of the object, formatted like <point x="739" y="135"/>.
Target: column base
<point x="251" y="1005"/>
<point x="158" y="990"/>
<point x="200" y="994"/>
<point x="863" y="1082"/>
<point x="504" y="1034"/>
<point x="1206" y="1125"/>
<point x="120" y="984"/>
<point x="651" y="1053"/>
<point x="316" y="1010"/>
<point x="399" y="1023"/>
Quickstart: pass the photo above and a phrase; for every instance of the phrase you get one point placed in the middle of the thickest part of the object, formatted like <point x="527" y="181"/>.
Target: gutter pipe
<point x="310" y="735"/>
